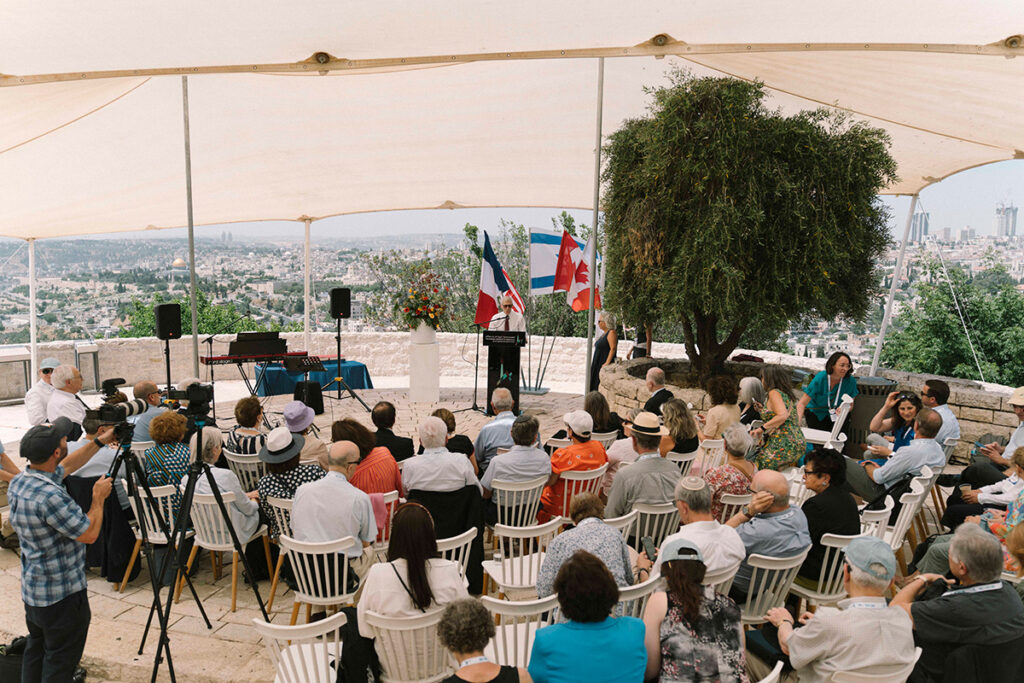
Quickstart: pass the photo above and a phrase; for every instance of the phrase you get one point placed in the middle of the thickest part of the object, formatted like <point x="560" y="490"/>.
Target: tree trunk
<point x="711" y="356"/>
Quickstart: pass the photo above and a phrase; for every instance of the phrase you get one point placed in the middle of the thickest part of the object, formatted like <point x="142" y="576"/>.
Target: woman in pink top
<point x="735" y="475"/>
<point x="377" y="471"/>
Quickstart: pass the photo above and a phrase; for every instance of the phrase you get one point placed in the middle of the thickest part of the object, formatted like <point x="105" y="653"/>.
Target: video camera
<point x="117" y="415"/>
<point x="109" y="386"/>
<point x="199" y="397"/>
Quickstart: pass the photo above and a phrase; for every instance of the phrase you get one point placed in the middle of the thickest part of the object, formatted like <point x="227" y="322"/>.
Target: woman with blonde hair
<point x="682" y="428"/>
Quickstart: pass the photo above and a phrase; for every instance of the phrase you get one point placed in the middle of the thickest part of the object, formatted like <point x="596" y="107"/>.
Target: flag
<point x="544" y="247"/>
<point x="569" y="255"/>
<point x="494" y="283"/>
<point x="579" y="291"/>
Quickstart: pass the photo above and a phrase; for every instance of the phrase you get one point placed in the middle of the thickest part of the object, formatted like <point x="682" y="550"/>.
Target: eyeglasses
<point x="924" y="394"/>
<point x="506" y="305"/>
<point x="809" y="472"/>
<point x="750" y="490"/>
<point x="46" y="371"/>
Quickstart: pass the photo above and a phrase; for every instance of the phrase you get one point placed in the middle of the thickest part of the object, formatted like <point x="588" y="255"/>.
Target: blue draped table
<point x="278" y="381"/>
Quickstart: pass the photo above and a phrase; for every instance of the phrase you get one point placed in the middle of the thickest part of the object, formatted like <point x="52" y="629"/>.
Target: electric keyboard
<point x="252" y="358"/>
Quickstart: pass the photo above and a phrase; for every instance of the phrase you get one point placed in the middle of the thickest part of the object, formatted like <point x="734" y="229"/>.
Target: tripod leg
<point x="188" y="568"/>
<point x="131" y="564"/>
<point x="273" y="583"/>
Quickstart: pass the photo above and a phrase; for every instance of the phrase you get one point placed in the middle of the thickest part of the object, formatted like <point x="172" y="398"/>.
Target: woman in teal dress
<point x="782" y="440"/>
<point x="824" y="394"/>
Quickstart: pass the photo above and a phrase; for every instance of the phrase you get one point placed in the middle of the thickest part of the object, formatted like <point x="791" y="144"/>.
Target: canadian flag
<point x="572" y="273"/>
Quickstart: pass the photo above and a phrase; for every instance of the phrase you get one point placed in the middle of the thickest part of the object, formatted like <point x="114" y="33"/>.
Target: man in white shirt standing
<point x="38" y="397"/>
<point x="720" y="545"/>
<point x="507" y="319"/>
<point x="436" y="468"/>
<point x="67" y="382"/>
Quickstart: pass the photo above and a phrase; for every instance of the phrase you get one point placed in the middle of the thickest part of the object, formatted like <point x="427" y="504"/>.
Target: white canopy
<point x="449" y="103"/>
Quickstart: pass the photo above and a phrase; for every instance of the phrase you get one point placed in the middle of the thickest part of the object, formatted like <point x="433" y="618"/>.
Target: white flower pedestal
<point x="424" y="365"/>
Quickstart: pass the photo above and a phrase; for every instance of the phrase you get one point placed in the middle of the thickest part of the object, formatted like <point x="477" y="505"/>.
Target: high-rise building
<point x="967" y="233"/>
<point x="919" y="226"/>
<point x="947" y="234"/>
<point x="1006" y="220"/>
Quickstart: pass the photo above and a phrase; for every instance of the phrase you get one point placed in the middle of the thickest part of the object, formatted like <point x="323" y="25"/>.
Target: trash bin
<point x="871" y="393"/>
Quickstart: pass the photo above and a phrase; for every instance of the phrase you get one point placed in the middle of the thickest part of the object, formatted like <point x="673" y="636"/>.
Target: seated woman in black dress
<point x="831" y="511"/>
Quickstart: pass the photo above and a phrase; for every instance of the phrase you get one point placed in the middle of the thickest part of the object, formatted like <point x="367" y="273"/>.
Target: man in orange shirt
<point x="583" y="454"/>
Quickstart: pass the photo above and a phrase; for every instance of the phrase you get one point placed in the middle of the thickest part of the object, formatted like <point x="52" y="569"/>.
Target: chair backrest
<point x="830" y="578"/>
<point x="517" y="502"/>
<point x="682" y="460"/>
<point x="633" y="599"/>
<point x="770" y="580"/>
<point x="606" y="439"/>
<point x="731" y="504"/>
<point x="520" y="563"/>
<point x="391" y="503"/>
<point x="713" y="454"/>
<point x="625" y="524"/>
<point x="140" y="447"/>
<point x="282" y="511"/>
<point x="910" y="501"/>
<point x="248" y="469"/>
<point x="163" y="497"/>
<point x="502" y="451"/>
<point x="554" y="444"/>
<point x="456" y="548"/>
<point x="320" y="569"/>
<point x="409" y="648"/>
<point x="517" y="624"/>
<point x="308" y="653"/>
<point x="948" y="446"/>
<point x="581" y="481"/>
<point x="656" y="521"/>
<point x="774" y="675"/>
<point x="841" y="414"/>
<point x="892" y="677"/>
<point x="874" y="522"/>
<point x="721" y="581"/>
<point x="211" y="528"/>
<point x="798" y="491"/>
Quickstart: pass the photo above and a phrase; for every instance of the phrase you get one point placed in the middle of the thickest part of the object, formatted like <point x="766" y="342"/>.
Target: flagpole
<point x="597" y="197"/>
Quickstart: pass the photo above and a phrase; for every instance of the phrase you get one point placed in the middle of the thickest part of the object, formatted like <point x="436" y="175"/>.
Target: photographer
<point x="148" y="392"/>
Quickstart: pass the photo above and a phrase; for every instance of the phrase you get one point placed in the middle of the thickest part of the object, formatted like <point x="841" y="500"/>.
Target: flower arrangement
<point x="423" y="298"/>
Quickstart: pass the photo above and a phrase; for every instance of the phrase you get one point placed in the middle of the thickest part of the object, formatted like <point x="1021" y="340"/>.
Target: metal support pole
<point x="597" y="199"/>
<point x="892" y="287"/>
<point x="32" y="328"/>
<point x="305" y="292"/>
<point x="191" y="229"/>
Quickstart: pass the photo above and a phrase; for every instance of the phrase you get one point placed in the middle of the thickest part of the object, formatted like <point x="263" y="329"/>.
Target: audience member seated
<point x="870" y="481"/>
<point x="496" y="433"/>
<point x="996" y="496"/>
<point x="990" y="464"/>
<point x="691" y="633"/>
<point x="523" y="462"/>
<point x="682" y="428"/>
<point x="38" y="396"/>
<point x="465" y="629"/>
<point x="584" y="454"/>
<point x="246" y="437"/>
<point x="377" y="471"/>
<point x="619" y="453"/>
<point x="865" y="636"/>
<point x="594" y="536"/>
<point x="734" y="476"/>
<point x="723" y="393"/>
<point x="782" y="441"/>
<point x="167" y="461"/>
<point x="651" y="479"/>
<point x="457" y="443"/>
<point x="824" y="393"/>
<point x="331" y="508"/>
<point x="64" y="402"/>
<point x="831" y="510"/>
<point x="99" y="464"/>
<point x="980" y="610"/>
<point x="299" y="419"/>
<point x="655" y="381"/>
<point x="437" y="469"/>
<point x="383" y="417"/>
<point x="605" y="421"/>
<point x="934" y="395"/>
<point x="244" y="509"/>
<point x="720" y="545"/>
<point x="751" y="399"/>
<point x="284" y="472"/>
<point x="148" y="392"/>
<point x="592" y="646"/>
<point x="768" y="526"/>
<point x="896" y="415"/>
<point x="1015" y="547"/>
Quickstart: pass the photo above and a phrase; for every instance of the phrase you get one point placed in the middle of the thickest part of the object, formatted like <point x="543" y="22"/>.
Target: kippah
<point x="692" y="483"/>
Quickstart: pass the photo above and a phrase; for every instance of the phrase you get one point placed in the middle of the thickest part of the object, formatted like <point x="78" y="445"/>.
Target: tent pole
<point x="305" y="290"/>
<point x="191" y="230"/>
<point x="593" y="227"/>
<point x="32" y="328"/>
<point x="892" y="288"/>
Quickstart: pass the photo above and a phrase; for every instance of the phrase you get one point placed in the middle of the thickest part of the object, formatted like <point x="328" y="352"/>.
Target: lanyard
<point x="976" y="589"/>
<point x="867" y="605"/>
<point x="828" y="397"/>
<point x="473" y="660"/>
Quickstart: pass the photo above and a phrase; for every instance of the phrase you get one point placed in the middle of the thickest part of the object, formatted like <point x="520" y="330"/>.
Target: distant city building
<point x="919" y="226"/>
<point x="947" y="234"/>
<point x="966" y="233"/>
<point x="1006" y="220"/>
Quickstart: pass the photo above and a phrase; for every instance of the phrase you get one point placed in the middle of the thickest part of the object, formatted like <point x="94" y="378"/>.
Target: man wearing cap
<point x="583" y="454"/>
<point x="498" y="432"/>
<point x="436" y="468"/>
<point x="284" y="472"/>
<point x="299" y="419"/>
<point x="67" y="382"/>
<point x="720" y="545"/>
<point x="866" y="636"/>
<point x="148" y="392"/>
<point x="650" y="479"/>
<point x="38" y="397"/>
<point x="655" y="381"/>
<point x="52" y="529"/>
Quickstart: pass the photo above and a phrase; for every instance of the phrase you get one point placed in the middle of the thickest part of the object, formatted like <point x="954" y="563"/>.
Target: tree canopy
<point x="728" y="218"/>
<point x="211" y="318"/>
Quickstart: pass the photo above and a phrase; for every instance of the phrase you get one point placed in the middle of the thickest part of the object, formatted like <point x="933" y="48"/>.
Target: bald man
<point x="148" y="392"/>
<point x="507" y="319"/>
<point x="768" y="526"/>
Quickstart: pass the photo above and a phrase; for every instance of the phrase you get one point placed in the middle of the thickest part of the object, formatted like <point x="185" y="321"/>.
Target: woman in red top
<point x="377" y="471"/>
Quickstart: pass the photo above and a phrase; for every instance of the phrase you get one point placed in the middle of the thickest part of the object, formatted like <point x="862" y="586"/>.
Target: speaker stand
<point x="167" y="361"/>
<point x="339" y="380"/>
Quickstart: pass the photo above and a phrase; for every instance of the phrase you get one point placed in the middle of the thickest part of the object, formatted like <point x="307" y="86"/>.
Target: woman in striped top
<point x="245" y="437"/>
<point x="377" y="471"/>
<point x="167" y="462"/>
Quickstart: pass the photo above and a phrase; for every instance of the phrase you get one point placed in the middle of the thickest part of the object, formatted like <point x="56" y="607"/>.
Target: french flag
<point x="494" y="283"/>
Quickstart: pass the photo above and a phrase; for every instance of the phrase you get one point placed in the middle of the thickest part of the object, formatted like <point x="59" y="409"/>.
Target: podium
<point x="503" y="364"/>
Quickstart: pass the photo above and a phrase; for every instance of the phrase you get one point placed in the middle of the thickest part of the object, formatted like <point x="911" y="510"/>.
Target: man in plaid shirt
<point x="52" y="527"/>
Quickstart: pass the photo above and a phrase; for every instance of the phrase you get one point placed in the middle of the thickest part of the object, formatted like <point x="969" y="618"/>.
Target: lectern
<point x="503" y="364"/>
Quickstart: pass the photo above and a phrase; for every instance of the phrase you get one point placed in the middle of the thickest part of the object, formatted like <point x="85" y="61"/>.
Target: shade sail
<point x="471" y="104"/>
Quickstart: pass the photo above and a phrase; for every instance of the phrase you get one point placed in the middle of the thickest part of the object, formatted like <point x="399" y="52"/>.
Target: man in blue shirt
<point x="52" y="529"/>
<point x="148" y="392"/>
<point x="869" y="481"/>
<point x="498" y="432"/>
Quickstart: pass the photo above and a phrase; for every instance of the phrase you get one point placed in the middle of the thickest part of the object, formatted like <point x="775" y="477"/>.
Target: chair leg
<point x="295" y="612"/>
<point x="131" y="564"/>
<point x="270" y="562"/>
<point x="309" y="613"/>
<point x="234" y="579"/>
<point x="273" y="583"/>
<point x="188" y="568"/>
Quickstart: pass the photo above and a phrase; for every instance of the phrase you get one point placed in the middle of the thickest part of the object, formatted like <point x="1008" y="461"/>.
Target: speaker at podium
<point x="503" y="364"/>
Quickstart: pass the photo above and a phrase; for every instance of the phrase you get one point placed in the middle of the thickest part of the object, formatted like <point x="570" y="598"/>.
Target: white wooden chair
<point x="721" y="581"/>
<point x="774" y="675"/>
<point x="501" y="451"/>
<point x="212" y="534"/>
<point x="281" y="508"/>
<point x="514" y="570"/>
<point x="248" y="469"/>
<point x="409" y="649"/>
<point x="893" y="677"/>
<point x="928" y="478"/>
<point x="896" y="534"/>
<point x="938" y="495"/>
<point x="518" y="502"/>
<point x="731" y="504"/>
<point x="633" y="599"/>
<point x="456" y="548"/>
<point x="140" y="447"/>
<point x="577" y="482"/>
<point x="682" y="460"/>
<point x="606" y="439"/>
<point x="820" y="437"/>
<point x="321" y="572"/>
<point x="798" y="491"/>
<point x="874" y="522"/>
<point x="770" y="581"/>
<point x="517" y="624"/>
<point x="830" y="579"/>
<point x="656" y="521"/>
<point x="625" y="524"/>
<point x="553" y="444"/>
<point x="380" y="546"/>
<point x="712" y="454"/>
<point x="310" y="653"/>
<point x="162" y="496"/>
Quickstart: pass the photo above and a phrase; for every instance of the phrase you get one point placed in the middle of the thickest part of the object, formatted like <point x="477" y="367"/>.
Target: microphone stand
<point x="476" y="369"/>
